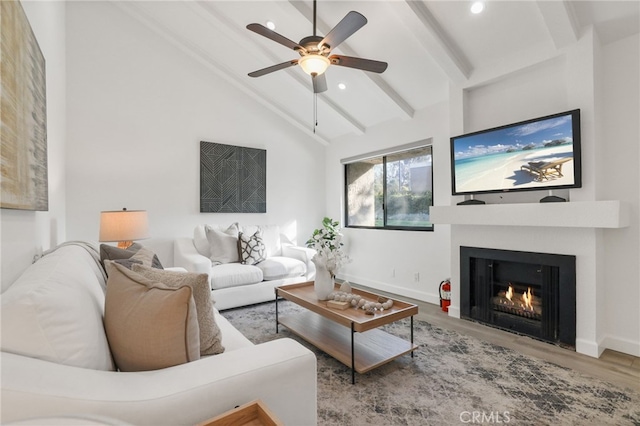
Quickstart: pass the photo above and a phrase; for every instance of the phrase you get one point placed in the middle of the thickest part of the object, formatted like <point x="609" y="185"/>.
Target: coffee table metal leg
<point x="276" y="311"/>
<point x="353" y="356"/>
<point x="411" y="334"/>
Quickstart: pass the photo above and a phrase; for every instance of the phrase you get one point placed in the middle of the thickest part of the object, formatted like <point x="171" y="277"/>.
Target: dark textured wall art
<point x="23" y="114"/>
<point x="233" y="179"/>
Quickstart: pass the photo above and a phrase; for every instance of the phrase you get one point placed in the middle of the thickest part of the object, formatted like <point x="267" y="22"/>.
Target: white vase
<point x="323" y="284"/>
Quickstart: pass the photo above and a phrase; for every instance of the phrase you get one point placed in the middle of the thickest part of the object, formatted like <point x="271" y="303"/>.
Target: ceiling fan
<point x="314" y="50"/>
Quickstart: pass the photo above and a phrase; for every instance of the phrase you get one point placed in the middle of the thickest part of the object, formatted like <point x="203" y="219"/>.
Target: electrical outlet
<point x="393" y="272"/>
<point x="416" y="276"/>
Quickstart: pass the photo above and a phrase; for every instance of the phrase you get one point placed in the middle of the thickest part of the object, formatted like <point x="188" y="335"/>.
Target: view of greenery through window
<point x="393" y="191"/>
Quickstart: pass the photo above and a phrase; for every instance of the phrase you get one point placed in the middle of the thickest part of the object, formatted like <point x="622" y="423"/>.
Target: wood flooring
<point x="614" y="367"/>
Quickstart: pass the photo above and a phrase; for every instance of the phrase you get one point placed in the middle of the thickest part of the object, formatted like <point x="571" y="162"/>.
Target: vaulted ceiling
<point x="427" y="44"/>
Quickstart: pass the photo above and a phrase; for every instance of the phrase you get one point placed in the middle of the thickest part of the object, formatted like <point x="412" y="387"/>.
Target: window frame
<point x="384" y="155"/>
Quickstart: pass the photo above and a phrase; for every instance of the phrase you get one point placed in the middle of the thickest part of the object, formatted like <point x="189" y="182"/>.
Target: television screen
<point x="538" y="154"/>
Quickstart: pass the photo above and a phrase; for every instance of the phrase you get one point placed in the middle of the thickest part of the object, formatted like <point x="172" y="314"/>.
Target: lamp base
<point x="124" y="244"/>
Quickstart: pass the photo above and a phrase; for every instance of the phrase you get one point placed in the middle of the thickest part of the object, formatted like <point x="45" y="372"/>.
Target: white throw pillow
<point x="223" y="245"/>
<point x="54" y="312"/>
<point x="200" y="240"/>
<point x="271" y="238"/>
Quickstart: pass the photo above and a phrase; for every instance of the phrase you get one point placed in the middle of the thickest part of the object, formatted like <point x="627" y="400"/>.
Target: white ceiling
<point x="427" y="44"/>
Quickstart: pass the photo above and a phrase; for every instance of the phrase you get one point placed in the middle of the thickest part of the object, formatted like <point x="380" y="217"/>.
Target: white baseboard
<point x="589" y="347"/>
<point x="621" y="345"/>
<point x="454" y="311"/>
<point x="390" y="288"/>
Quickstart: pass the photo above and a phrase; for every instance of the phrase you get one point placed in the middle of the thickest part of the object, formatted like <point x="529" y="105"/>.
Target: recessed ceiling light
<point x="342" y="86"/>
<point x="271" y="25"/>
<point x="477" y="7"/>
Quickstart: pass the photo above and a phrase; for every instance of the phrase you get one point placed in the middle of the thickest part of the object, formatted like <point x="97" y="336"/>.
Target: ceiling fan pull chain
<point x="315" y="112"/>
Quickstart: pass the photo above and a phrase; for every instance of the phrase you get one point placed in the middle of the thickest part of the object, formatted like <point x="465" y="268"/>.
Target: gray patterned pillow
<point x="251" y="248"/>
<point x="135" y="251"/>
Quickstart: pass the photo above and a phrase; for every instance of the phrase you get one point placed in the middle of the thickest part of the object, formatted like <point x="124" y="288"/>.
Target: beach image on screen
<point x="532" y="155"/>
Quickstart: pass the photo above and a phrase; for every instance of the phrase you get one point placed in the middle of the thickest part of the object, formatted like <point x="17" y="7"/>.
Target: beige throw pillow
<point x="210" y="337"/>
<point x="149" y="325"/>
<point x="223" y="244"/>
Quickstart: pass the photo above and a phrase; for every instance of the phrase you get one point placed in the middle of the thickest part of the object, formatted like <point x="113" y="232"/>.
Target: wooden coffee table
<point x="334" y="331"/>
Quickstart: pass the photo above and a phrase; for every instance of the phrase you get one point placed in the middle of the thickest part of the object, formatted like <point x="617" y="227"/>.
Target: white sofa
<point x="56" y="360"/>
<point x="234" y="284"/>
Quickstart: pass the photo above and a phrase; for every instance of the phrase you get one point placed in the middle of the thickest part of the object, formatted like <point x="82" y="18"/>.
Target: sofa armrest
<point x="282" y="373"/>
<point x="186" y="256"/>
<point x="303" y="254"/>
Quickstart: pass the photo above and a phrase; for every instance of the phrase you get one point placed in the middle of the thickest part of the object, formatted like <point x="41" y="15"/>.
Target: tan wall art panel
<point x="23" y="114"/>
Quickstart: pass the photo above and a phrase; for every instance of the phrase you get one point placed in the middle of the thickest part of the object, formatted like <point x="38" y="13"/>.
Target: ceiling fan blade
<point x="273" y="68"/>
<point x="351" y="23"/>
<point x="319" y="83"/>
<point x="272" y="35"/>
<point x="359" y="63"/>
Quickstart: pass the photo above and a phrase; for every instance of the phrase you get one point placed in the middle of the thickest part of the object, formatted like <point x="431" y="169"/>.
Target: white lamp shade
<point x="123" y="225"/>
<point x="314" y="64"/>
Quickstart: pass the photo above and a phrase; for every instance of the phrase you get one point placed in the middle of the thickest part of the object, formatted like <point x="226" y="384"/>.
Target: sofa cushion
<point x="223" y="244"/>
<point x="210" y="338"/>
<point x="53" y="311"/>
<point x="234" y="274"/>
<point x="149" y="325"/>
<point x="135" y="251"/>
<point x="278" y="267"/>
<point x="251" y="247"/>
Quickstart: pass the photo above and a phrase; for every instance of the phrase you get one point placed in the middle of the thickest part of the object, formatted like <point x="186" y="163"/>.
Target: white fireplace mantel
<point x="574" y="214"/>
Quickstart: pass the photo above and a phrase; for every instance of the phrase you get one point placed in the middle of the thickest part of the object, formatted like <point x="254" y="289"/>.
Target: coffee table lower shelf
<point x="372" y="348"/>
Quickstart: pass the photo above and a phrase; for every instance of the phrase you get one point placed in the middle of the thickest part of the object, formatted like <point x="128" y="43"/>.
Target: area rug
<point x="452" y="379"/>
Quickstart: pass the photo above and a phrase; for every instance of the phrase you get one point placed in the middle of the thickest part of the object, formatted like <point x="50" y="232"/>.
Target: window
<point x="390" y="191"/>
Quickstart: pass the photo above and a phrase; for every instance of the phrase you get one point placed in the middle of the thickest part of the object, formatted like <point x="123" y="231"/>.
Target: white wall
<point x="377" y="254"/>
<point x="603" y="82"/>
<point x="620" y="176"/>
<point x="138" y="109"/>
<point x="26" y="233"/>
<point x="600" y="80"/>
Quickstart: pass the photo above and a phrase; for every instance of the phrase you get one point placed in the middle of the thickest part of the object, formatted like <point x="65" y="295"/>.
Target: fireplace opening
<point x="527" y="293"/>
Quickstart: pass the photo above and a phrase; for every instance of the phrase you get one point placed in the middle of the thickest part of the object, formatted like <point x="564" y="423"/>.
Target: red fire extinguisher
<point x="445" y="295"/>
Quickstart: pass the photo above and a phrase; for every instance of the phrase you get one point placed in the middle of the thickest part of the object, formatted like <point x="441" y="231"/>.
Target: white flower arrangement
<point x="327" y="242"/>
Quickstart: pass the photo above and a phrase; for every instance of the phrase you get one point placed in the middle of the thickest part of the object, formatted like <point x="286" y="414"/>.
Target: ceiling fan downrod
<point x="314" y="17"/>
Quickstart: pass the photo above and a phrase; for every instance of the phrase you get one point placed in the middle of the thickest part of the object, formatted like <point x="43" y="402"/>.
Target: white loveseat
<point x="56" y="359"/>
<point x="235" y="284"/>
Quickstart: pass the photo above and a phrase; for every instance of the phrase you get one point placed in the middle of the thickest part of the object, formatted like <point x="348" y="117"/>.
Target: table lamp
<point x="123" y="226"/>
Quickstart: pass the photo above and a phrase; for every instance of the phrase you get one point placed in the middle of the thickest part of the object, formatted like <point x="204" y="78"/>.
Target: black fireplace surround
<point x="527" y="293"/>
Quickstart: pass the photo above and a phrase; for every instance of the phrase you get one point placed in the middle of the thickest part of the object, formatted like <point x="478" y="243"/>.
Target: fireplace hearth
<point x="523" y="292"/>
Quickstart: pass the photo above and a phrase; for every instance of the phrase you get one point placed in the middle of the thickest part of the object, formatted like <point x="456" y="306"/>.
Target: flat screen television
<point x="538" y="154"/>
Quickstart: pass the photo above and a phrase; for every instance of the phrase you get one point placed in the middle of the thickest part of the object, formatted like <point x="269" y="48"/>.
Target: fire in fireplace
<point x="523" y="304"/>
<point x="528" y="293"/>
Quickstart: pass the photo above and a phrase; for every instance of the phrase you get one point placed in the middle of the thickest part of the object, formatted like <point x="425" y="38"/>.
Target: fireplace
<point x="526" y="293"/>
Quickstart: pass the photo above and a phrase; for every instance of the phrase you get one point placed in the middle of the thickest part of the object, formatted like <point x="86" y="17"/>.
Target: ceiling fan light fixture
<point x="314" y="64"/>
<point x="477" y="7"/>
